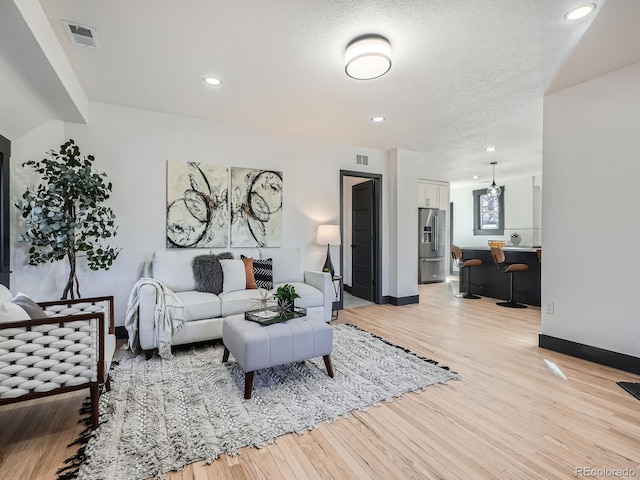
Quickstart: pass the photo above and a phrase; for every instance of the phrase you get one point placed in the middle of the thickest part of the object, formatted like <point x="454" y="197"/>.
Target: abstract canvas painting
<point x="256" y="208"/>
<point x="197" y="205"/>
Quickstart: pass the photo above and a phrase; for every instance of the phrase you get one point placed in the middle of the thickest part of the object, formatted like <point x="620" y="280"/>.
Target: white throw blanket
<point x="168" y="316"/>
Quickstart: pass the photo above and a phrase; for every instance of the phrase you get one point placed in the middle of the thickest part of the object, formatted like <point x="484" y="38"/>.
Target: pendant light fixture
<point x="494" y="190"/>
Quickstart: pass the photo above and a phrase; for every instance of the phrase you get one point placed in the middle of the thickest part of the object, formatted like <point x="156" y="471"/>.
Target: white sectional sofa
<point x="205" y="312"/>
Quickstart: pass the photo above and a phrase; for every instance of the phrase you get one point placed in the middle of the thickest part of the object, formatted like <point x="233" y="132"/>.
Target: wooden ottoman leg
<point x="327" y="363"/>
<point x="248" y="384"/>
<point x="225" y="355"/>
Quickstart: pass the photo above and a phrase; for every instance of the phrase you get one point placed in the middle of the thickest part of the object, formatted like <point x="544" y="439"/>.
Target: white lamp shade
<point x="328" y="235"/>
<point x="367" y="58"/>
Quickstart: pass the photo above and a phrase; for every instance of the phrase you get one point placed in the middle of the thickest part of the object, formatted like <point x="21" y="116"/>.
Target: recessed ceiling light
<point x="490" y="148"/>
<point x="212" y="81"/>
<point x="580" y="12"/>
<point x="475" y="177"/>
<point x="378" y="119"/>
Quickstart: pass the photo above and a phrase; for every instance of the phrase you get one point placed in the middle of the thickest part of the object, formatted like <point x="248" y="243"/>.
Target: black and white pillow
<point x="263" y="273"/>
<point x="207" y="272"/>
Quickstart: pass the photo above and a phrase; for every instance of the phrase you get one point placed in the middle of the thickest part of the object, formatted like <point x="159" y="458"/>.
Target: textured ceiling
<point x="465" y="73"/>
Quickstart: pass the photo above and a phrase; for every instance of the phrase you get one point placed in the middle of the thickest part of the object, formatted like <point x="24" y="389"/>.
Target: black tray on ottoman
<point x="272" y="315"/>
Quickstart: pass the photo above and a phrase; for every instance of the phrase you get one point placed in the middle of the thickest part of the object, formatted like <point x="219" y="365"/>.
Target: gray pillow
<point x="32" y="308"/>
<point x="207" y="272"/>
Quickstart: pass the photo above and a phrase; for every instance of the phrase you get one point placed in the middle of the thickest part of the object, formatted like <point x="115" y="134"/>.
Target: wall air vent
<point x="82" y="35"/>
<point x="362" y="159"/>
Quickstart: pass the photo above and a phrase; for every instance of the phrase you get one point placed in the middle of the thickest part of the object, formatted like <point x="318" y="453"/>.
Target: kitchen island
<point x="488" y="282"/>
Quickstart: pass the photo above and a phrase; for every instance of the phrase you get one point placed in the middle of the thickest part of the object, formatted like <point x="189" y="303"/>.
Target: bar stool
<point x="503" y="267"/>
<point x="539" y="254"/>
<point x="459" y="262"/>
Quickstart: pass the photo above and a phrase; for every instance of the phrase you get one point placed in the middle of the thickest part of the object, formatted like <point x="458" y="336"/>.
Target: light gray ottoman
<point x="255" y="346"/>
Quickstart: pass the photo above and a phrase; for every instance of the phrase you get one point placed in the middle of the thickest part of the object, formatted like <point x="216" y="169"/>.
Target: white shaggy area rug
<point x="161" y="415"/>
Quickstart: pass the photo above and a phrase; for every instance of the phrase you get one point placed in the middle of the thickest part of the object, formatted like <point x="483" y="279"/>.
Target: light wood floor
<point x="508" y="418"/>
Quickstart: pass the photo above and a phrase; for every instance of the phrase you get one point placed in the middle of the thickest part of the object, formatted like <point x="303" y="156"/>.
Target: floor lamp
<point x="328" y="235"/>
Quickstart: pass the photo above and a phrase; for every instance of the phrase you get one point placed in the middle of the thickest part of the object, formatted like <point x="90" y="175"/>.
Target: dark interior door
<point x="5" y="153"/>
<point x="363" y="241"/>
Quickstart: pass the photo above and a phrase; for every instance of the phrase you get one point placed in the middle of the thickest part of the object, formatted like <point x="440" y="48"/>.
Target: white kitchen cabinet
<point x="433" y="195"/>
<point x="422" y="195"/>
<point x="428" y="195"/>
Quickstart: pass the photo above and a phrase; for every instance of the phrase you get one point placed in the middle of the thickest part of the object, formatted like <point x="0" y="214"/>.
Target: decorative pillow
<point x="263" y="273"/>
<point x="10" y="312"/>
<point x="32" y="308"/>
<point x="248" y="271"/>
<point x="207" y="272"/>
<point x="5" y="294"/>
<point x="233" y="274"/>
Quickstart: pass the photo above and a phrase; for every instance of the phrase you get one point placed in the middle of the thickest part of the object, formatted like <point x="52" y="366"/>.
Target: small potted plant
<point x="286" y="296"/>
<point x="515" y="239"/>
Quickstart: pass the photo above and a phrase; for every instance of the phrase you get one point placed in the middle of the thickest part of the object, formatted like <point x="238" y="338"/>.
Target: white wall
<point x="36" y="80"/>
<point x="591" y="224"/>
<point x="403" y="263"/>
<point x="522" y="204"/>
<point x="42" y="283"/>
<point x="132" y="147"/>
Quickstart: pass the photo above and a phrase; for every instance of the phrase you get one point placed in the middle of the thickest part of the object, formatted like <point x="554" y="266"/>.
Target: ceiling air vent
<point x="362" y="159"/>
<point x="82" y="35"/>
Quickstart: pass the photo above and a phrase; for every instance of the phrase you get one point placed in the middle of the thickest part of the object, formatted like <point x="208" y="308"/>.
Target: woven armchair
<point x="71" y="349"/>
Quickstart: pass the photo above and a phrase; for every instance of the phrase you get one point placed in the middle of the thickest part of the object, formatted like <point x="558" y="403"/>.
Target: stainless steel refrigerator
<point x="431" y="246"/>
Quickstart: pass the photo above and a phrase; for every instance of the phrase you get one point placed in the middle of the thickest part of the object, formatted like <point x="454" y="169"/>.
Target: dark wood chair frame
<point x="102" y="376"/>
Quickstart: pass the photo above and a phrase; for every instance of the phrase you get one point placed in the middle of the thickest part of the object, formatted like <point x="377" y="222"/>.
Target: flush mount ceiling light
<point x="580" y="12"/>
<point x="494" y="190"/>
<point x="367" y="57"/>
<point x="490" y="148"/>
<point x="378" y="119"/>
<point x="209" y="80"/>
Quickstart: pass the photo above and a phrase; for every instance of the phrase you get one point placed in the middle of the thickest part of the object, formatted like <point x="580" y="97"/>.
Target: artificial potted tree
<point x="64" y="216"/>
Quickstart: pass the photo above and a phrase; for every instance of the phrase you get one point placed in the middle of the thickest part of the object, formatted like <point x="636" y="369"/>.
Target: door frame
<point x="377" y="214"/>
<point x="451" y="265"/>
<point x="5" y="257"/>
